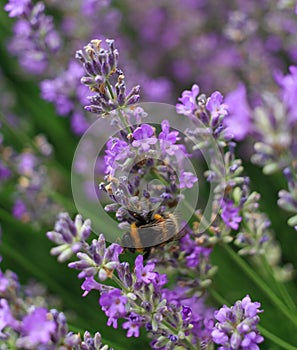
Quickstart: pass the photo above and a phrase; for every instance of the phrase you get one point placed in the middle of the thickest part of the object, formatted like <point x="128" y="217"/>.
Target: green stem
<point x="120" y="283"/>
<point x="281" y="288"/>
<point x="124" y="121"/>
<point x="260" y="283"/>
<point x="32" y="268"/>
<point x="109" y="89"/>
<point x="280" y="342"/>
<point x="216" y="296"/>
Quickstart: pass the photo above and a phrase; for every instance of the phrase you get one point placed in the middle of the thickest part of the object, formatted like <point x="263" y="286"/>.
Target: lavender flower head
<point x="237" y="326"/>
<point x="69" y="236"/>
<point x="101" y="67"/>
<point x="37" y="328"/>
<point x="230" y="214"/>
<point x="97" y="259"/>
<point x="130" y="166"/>
<point x="16" y="7"/>
<point x="34" y="35"/>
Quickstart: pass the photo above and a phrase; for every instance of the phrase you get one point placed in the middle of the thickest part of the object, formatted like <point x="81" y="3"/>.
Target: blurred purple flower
<point x="19" y="210"/>
<point x="79" y="123"/>
<point x="26" y="163"/>
<point x="288" y="84"/>
<point x="238" y="119"/>
<point x="68" y="235"/>
<point x="5" y="172"/>
<point x="17" y="8"/>
<point x="6" y="318"/>
<point x="187" y="179"/>
<point x="37" y="327"/>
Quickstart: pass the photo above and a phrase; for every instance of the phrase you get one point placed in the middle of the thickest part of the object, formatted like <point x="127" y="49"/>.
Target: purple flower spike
<point x="188" y="101"/>
<point x="69" y="236"/>
<point x="5" y="172"/>
<point x="237" y="326"/>
<point x="230" y="214"/>
<point x="17" y="7"/>
<point x="6" y="318"/>
<point x="143" y="137"/>
<point x="288" y="84"/>
<point x="97" y="259"/>
<point x="113" y="304"/>
<point x="132" y="325"/>
<point x="215" y="106"/>
<point x="144" y="274"/>
<point x="166" y="135"/>
<point x="37" y="328"/>
<point x="238" y="119"/>
<point x="187" y="179"/>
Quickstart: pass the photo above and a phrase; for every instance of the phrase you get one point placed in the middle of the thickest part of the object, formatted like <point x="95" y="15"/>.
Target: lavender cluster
<point x="174" y="314"/>
<point x="28" y="322"/>
<point x="172" y="317"/>
<point x="243" y="318"/>
<point x="156" y="280"/>
<point x="239" y="29"/>
<point x="276" y="150"/>
<point x="32" y="184"/>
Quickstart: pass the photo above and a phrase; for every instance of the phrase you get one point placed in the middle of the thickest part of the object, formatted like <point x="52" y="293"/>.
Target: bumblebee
<point x="150" y="232"/>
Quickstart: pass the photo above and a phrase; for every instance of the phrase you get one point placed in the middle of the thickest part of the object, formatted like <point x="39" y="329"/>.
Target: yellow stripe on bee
<point x="135" y="236"/>
<point x="158" y="217"/>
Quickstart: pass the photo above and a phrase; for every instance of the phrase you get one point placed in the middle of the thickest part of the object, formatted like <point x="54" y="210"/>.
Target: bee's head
<point x="141" y="218"/>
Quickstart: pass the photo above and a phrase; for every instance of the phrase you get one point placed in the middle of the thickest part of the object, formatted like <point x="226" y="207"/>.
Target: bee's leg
<point x="147" y="252"/>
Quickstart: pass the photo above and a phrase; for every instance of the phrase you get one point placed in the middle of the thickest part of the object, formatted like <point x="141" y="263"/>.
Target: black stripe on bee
<point x="157" y="232"/>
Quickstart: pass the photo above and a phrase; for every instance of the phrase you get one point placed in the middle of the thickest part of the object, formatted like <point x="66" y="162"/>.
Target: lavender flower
<point x="188" y="101"/>
<point x="230" y="215"/>
<point x="69" y="236"/>
<point x="237" y="326"/>
<point x="288" y="84"/>
<point x="133" y="325"/>
<point x="131" y="162"/>
<point x="98" y="260"/>
<point x="5" y="172"/>
<point x="215" y="106"/>
<point x="100" y="66"/>
<point x="20" y="211"/>
<point x="6" y="318"/>
<point x="210" y="112"/>
<point x="35" y="35"/>
<point x="113" y="304"/>
<point x="16" y="7"/>
<point x="37" y="328"/>
<point x="144" y="274"/>
<point x="27" y="322"/>
<point x="238" y="119"/>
